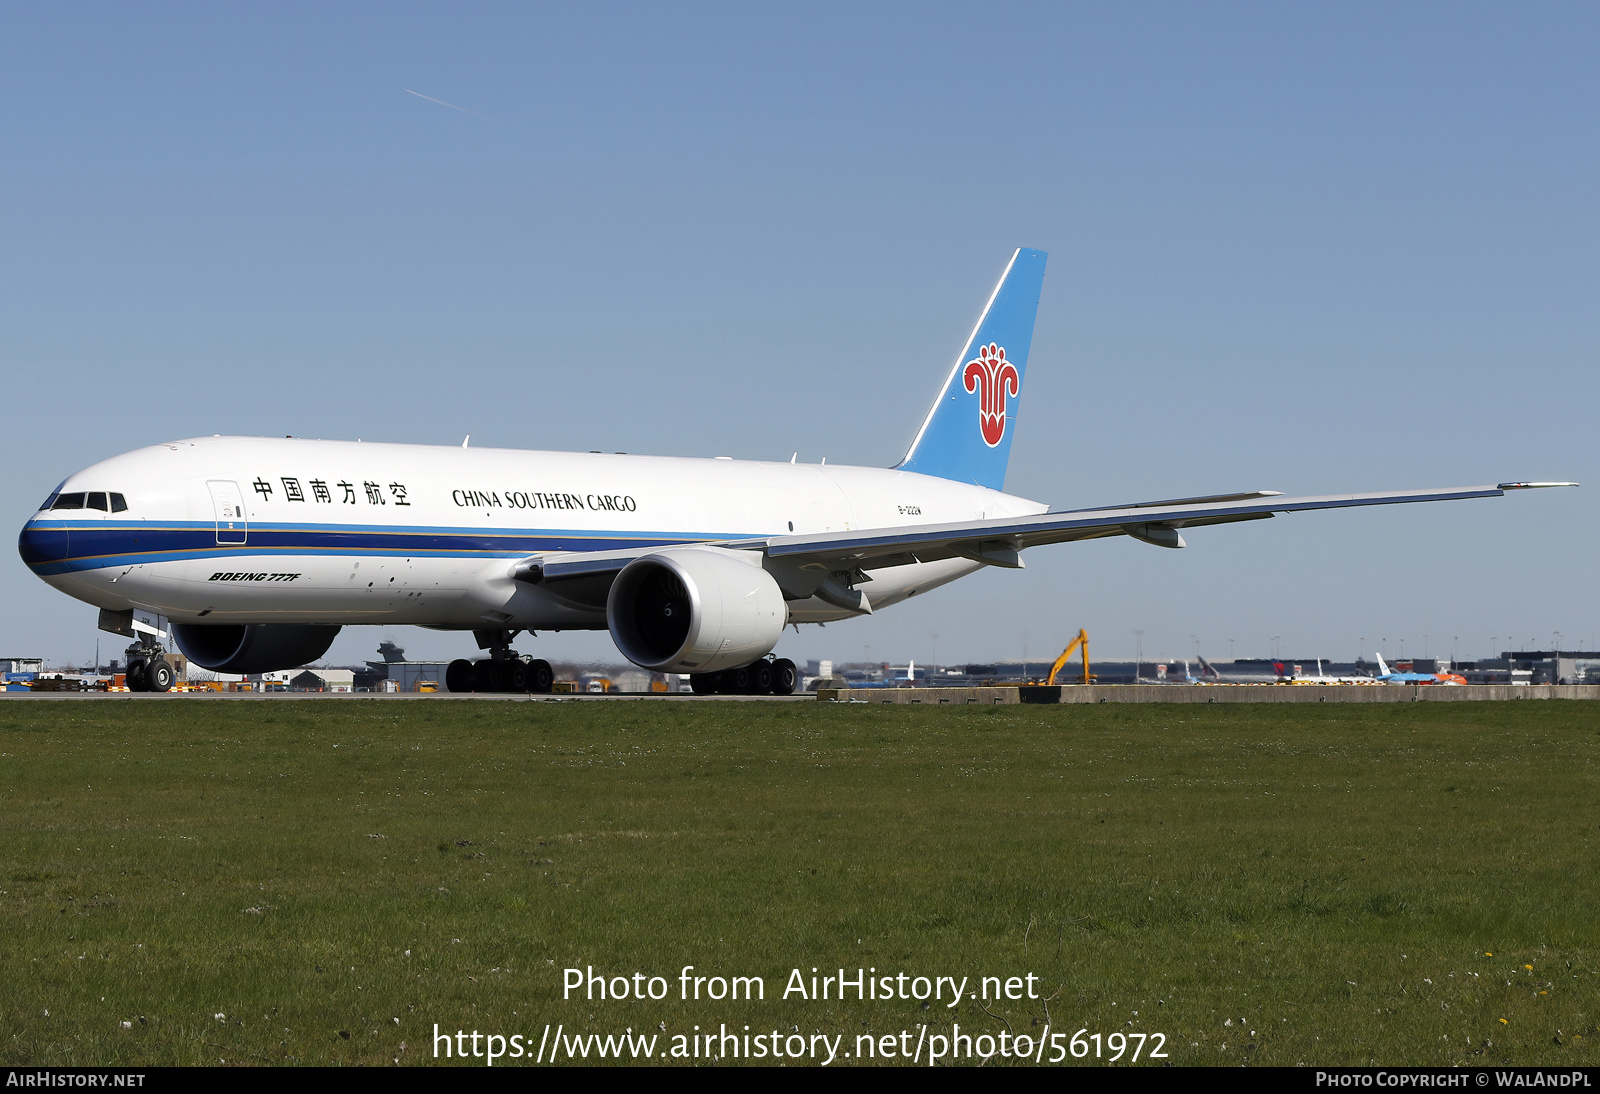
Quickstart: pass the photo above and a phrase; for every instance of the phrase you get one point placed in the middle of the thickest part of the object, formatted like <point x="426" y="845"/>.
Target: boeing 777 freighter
<point x="252" y="553"/>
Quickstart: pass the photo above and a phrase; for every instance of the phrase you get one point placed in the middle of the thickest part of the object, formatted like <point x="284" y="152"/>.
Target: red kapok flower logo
<point x="993" y="378"/>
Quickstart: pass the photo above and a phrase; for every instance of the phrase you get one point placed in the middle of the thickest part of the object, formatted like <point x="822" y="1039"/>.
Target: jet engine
<point x="695" y="609"/>
<point x="253" y="647"/>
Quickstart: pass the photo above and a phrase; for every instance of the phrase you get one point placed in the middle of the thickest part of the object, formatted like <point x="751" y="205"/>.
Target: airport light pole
<point x="1138" y="653"/>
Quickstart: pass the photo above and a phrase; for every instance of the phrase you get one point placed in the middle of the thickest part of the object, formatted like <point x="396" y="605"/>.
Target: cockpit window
<point x="104" y="501"/>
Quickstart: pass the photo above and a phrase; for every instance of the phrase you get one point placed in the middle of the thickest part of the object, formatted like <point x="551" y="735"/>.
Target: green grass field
<point x="322" y="881"/>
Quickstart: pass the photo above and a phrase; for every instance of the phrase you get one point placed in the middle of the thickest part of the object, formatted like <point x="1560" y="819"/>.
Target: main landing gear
<point x="148" y="669"/>
<point x="503" y="671"/>
<point x="763" y="677"/>
<point x="514" y="674"/>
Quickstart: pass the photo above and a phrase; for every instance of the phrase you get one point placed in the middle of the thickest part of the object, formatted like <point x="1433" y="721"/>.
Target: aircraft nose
<point x="40" y="545"/>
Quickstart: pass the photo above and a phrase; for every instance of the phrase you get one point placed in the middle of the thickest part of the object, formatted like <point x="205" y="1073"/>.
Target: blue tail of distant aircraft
<point x="967" y="434"/>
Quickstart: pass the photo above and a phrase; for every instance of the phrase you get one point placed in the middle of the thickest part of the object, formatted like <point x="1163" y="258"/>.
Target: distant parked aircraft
<point x="1387" y="677"/>
<point x="1322" y="678"/>
<point x="1210" y="674"/>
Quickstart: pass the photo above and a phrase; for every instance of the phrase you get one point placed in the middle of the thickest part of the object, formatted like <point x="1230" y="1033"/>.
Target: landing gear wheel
<point x="516" y="677"/>
<point x="481" y="680"/>
<point x="159" y="676"/>
<point x="458" y="676"/>
<point x="785" y="677"/>
<point x="135" y="676"/>
<point x="703" y="683"/>
<point x="760" y="678"/>
<point x="541" y="677"/>
<point x="735" y="681"/>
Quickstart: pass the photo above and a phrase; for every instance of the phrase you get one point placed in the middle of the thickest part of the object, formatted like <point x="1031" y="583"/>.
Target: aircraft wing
<point x="584" y="576"/>
<point x="998" y="540"/>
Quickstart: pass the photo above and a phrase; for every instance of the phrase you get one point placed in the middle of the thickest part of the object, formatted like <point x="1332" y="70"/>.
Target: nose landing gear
<point x="148" y="669"/>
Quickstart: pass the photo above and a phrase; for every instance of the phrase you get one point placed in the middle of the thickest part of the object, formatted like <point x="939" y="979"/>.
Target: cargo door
<point x="233" y="527"/>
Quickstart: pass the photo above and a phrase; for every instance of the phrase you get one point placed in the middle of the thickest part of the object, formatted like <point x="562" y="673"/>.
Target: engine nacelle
<point x="253" y="647"/>
<point x="695" y="609"/>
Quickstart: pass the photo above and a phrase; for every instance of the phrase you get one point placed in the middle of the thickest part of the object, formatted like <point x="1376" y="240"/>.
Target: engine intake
<point x="695" y="609"/>
<point x="253" y="647"/>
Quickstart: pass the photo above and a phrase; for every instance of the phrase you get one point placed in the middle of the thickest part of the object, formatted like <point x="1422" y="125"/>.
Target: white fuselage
<point x="255" y="530"/>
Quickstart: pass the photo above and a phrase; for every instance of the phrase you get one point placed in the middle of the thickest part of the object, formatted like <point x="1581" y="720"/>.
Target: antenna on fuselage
<point x="465" y="439"/>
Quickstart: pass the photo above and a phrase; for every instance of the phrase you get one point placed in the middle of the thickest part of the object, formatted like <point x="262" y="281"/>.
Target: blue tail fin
<point x="967" y="434"/>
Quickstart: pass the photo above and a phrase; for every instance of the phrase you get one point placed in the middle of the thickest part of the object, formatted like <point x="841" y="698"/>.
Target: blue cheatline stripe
<point x="62" y="547"/>
<point x="296" y="526"/>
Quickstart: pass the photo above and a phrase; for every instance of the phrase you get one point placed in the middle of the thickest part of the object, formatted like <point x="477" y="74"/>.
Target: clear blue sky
<point x="1306" y="248"/>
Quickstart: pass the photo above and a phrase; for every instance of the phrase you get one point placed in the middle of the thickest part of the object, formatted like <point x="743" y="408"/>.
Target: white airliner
<point x="253" y="552"/>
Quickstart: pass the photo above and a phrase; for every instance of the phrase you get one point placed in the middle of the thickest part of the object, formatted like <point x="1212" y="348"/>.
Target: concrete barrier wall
<point x="1216" y="693"/>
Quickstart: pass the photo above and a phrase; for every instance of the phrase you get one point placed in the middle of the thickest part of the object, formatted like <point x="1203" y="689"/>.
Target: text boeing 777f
<point x="258" y="550"/>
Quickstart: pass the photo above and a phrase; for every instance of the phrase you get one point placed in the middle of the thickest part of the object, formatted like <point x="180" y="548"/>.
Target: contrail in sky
<point x="441" y="102"/>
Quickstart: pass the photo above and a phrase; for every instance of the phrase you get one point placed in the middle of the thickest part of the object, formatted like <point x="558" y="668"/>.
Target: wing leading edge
<point x="992" y="540"/>
<point x="996" y="542"/>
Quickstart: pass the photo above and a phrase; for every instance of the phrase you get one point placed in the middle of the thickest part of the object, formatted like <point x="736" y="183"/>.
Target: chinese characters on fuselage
<point x="322" y="495"/>
<point x="290" y="488"/>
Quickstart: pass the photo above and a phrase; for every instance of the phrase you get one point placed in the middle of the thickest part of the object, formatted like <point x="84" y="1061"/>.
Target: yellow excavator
<point x="1066" y="655"/>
